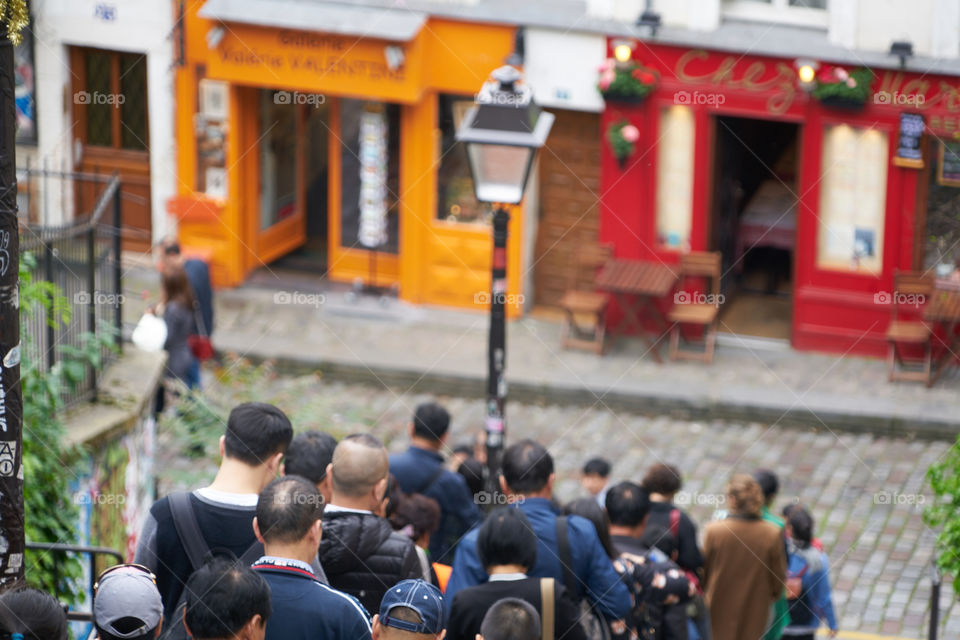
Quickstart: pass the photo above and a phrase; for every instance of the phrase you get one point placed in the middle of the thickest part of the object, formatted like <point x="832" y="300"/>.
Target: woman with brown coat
<point x="745" y="565"/>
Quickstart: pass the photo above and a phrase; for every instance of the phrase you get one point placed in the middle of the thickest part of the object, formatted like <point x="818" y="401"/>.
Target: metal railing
<point x="59" y="550"/>
<point x="82" y="258"/>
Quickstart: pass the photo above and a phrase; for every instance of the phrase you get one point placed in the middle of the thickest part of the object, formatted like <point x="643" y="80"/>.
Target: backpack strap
<point x="546" y="608"/>
<point x="431" y="480"/>
<point x="566" y="560"/>
<point x="253" y="553"/>
<point x="188" y="529"/>
<point x="675" y="523"/>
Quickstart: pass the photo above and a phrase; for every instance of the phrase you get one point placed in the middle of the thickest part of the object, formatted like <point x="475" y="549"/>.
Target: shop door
<point x="569" y="193"/>
<point x="109" y="99"/>
<point x="280" y="221"/>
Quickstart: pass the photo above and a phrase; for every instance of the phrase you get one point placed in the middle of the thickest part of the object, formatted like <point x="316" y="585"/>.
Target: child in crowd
<point x="808" y="581"/>
<point x="595" y="478"/>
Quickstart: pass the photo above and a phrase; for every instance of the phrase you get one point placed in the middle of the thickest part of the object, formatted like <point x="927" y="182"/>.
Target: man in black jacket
<point x="507" y="547"/>
<point x="360" y="552"/>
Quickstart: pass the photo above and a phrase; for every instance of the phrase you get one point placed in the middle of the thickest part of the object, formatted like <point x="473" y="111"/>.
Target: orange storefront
<point x="337" y="143"/>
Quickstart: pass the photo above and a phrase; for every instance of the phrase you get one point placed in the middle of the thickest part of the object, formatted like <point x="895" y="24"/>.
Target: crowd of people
<point x="304" y="537"/>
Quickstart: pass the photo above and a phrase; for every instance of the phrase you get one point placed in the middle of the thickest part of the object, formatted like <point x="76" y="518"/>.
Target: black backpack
<point x="188" y="530"/>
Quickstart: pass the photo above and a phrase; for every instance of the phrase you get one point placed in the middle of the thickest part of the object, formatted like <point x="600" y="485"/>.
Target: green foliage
<point x="622" y="148"/>
<point x="829" y="86"/>
<point x="943" y="513"/>
<point x="626" y="81"/>
<point x="49" y="465"/>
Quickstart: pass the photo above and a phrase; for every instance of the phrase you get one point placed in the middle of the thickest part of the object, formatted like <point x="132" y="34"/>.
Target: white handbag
<point x="150" y="333"/>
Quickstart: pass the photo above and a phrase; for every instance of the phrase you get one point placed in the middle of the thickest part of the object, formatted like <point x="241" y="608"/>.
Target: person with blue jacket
<point x="809" y="599"/>
<point x="526" y="480"/>
<point x="420" y="469"/>
<point x="288" y="522"/>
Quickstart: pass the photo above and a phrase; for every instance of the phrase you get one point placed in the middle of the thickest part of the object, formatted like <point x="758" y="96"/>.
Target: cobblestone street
<point x="866" y="492"/>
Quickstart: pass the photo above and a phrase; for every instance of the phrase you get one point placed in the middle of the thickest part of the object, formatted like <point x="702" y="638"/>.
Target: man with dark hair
<point x="217" y="516"/>
<point x="288" y="525"/>
<point x="308" y="456"/>
<point x="510" y="619"/>
<point x="226" y="601"/>
<point x="662" y="482"/>
<point x="420" y="469"/>
<point x="360" y="552"/>
<point x="595" y="478"/>
<point x="507" y="548"/>
<point x="127" y="605"/>
<point x="659" y="584"/>
<point x="770" y="485"/>
<point x="527" y="479"/>
<point x="410" y="610"/>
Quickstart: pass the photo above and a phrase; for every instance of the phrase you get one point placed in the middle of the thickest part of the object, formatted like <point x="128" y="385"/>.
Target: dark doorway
<point x="754" y="222"/>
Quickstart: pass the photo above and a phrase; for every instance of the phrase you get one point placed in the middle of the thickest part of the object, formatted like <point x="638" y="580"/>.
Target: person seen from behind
<point x="226" y="601"/>
<point x="31" y="614"/>
<point x="410" y="610"/>
<point x="308" y="456"/>
<point x="810" y="601"/>
<point x="127" y="604"/>
<point x="510" y="619"/>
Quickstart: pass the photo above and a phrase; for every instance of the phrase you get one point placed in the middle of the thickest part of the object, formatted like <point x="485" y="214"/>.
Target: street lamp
<point x="502" y="133"/>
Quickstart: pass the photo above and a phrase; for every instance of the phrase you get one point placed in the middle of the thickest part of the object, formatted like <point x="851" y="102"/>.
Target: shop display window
<point x="675" y="177"/>
<point x="941" y="238"/>
<point x="278" y="158"/>
<point x="369" y="175"/>
<point x="853" y="188"/>
<point x="456" y="199"/>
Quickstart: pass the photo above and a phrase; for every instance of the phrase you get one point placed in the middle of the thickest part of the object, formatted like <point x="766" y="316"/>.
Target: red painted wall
<point x="833" y="310"/>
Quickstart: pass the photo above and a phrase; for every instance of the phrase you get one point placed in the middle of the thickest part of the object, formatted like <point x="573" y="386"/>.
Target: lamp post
<point x="502" y="133"/>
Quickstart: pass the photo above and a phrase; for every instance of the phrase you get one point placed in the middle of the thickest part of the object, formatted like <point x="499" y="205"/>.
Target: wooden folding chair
<point x="585" y="308"/>
<point x="916" y="287"/>
<point x="702" y="265"/>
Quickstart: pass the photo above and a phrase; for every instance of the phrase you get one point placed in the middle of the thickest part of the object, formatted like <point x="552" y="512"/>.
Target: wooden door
<point x="569" y="197"/>
<point x="109" y="99"/>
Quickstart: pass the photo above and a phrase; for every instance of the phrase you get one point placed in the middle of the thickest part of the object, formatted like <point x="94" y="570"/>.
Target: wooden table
<point x="636" y="285"/>
<point x="944" y="308"/>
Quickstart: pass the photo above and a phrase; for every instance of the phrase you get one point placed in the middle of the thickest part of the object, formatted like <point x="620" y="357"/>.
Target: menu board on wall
<point x="910" y="146"/>
<point x="948" y="167"/>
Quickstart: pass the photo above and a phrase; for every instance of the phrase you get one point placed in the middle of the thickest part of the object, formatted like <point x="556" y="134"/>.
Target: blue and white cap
<point x="420" y="596"/>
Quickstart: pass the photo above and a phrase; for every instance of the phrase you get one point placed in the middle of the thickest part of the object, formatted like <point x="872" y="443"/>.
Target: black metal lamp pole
<point x="497" y="351"/>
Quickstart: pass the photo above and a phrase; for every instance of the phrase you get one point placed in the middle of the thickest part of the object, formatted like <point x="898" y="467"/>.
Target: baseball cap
<point x="127" y="593"/>
<point x="420" y="596"/>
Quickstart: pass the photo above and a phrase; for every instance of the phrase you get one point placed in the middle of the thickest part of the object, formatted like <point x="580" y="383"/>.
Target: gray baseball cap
<point x="127" y="595"/>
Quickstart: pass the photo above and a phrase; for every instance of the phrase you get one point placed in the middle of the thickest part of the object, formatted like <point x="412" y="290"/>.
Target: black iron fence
<point x="81" y="257"/>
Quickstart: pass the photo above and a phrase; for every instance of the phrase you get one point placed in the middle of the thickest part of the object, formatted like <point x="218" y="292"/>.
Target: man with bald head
<point x="360" y="552"/>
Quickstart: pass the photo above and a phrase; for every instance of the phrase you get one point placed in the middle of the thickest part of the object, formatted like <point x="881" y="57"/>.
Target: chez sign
<point x="776" y="79"/>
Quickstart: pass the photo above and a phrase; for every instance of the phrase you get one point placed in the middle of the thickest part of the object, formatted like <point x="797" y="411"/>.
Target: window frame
<point x="778" y="11"/>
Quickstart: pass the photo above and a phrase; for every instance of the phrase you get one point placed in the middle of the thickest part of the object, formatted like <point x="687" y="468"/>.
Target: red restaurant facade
<point x="725" y="134"/>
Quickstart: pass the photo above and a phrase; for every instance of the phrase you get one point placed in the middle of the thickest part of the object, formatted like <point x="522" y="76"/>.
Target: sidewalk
<point x="442" y="351"/>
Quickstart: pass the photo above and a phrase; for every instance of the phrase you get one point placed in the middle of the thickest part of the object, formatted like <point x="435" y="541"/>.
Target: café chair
<point x="909" y="286"/>
<point x="696" y="308"/>
<point x="585" y="308"/>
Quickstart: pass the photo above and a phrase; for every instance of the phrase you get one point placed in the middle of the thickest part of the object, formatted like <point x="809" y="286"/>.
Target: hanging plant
<point x="838" y="87"/>
<point x="625" y="81"/>
<point x="623" y="138"/>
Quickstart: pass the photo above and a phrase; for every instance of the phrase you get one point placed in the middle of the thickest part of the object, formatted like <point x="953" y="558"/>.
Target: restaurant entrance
<point x="753" y="222"/>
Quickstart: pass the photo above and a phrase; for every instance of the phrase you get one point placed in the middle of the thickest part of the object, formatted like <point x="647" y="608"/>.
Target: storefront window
<point x="278" y="159"/>
<point x="942" y="237"/>
<point x="456" y="200"/>
<point x="370" y="175"/>
<point x="853" y="189"/>
<point x="675" y="177"/>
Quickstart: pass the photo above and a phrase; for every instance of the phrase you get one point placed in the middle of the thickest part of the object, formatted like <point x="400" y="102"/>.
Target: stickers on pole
<point x="8" y="457"/>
